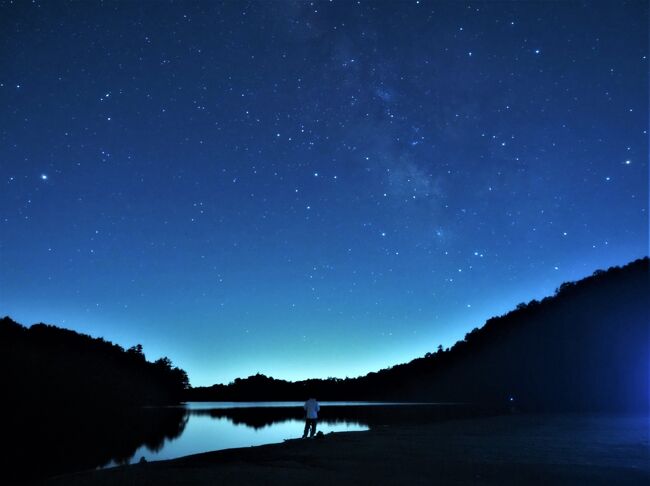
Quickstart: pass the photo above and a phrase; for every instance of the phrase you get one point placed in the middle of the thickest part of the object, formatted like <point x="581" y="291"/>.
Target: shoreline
<point x="511" y="449"/>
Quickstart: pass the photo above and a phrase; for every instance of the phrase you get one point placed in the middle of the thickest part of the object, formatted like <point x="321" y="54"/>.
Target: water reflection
<point x="50" y="442"/>
<point x="44" y="442"/>
<point x="219" y="405"/>
<point x="205" y="432"/>
<point x="220" y="425"/>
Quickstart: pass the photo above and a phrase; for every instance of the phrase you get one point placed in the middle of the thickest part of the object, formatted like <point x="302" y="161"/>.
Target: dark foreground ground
<point x="518" y="449"/>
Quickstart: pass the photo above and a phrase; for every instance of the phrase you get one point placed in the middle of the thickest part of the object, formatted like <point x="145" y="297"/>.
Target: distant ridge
<point x="586" y="348"/>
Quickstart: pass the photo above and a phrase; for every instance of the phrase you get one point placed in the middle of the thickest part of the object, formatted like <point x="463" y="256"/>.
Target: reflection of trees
<point x="368" y="416"/>
<point x="55" y="441"/>
<point x="172" y="430"/>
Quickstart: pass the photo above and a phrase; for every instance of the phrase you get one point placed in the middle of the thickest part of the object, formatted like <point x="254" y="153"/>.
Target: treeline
<point x="75" y="402"/>
<point x="59" y="367"/>
<point x="584" y="348"/>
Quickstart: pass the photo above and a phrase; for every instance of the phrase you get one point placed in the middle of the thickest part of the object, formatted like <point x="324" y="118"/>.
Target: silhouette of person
<point x="311" y="416"/>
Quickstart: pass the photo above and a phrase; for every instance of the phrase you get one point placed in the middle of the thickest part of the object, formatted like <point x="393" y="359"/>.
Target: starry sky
<point x="313" y="189"/>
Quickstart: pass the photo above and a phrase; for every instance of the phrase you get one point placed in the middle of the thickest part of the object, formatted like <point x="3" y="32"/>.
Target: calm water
<point x="54" y="441"/>
<point x="213" y="426"/>
<point x="204" y="432"/>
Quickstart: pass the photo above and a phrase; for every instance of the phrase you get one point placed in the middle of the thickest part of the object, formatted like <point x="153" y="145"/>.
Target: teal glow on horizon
<point x="313" y="191"/>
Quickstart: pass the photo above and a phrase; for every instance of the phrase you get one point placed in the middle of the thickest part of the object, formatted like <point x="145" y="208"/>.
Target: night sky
<point x="313" y="189"/>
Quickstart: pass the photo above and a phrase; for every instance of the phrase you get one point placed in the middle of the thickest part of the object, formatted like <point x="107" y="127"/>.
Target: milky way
<point x="312" y="189"/>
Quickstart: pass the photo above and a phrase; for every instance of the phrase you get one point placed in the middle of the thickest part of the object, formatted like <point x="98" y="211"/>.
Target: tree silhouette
<point x="585" y="348"/>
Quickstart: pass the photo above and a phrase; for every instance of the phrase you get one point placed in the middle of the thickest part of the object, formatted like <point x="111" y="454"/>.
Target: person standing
<point x="311" y="416"/>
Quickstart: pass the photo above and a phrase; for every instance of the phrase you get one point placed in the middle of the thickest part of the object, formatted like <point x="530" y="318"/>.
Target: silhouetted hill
<point x="585" y="348"/>
<point x="59" y="367"/>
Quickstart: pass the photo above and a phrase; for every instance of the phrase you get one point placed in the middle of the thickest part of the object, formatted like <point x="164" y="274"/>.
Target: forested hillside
<point x="584" y="348"/>
<point x="57" y="366"/>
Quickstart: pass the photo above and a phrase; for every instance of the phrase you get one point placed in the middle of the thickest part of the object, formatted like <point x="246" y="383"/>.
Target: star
<point x="401" y="135"/>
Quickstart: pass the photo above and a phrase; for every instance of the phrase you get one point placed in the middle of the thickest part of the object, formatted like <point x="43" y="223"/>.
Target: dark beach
<point x="514" y="449"/>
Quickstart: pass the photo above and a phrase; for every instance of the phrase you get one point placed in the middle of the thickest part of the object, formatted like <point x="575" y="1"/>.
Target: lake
<point x="47" y="441"/>
<point x="210" y="426"/>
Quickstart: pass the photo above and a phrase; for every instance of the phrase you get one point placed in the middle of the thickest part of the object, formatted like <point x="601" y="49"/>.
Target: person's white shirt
<point x="312" y="408"/>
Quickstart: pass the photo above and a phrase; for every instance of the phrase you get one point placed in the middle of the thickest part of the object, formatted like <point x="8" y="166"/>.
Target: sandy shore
<point x="522" y="449"/>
